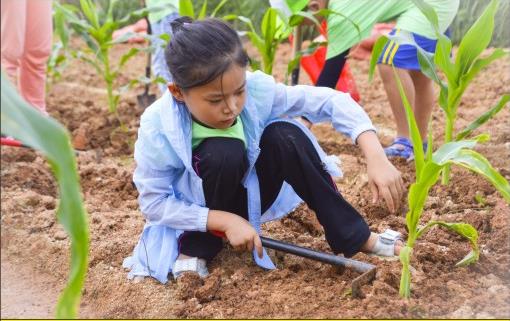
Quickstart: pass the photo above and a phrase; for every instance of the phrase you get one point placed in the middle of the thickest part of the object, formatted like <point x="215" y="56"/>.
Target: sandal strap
<point x="385" y="244"/>
<point x="402" y="141"/>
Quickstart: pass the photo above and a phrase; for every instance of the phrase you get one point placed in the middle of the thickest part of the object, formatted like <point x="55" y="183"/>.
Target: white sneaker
<point x="193" y="264"/>
<point x="385" y="244"/>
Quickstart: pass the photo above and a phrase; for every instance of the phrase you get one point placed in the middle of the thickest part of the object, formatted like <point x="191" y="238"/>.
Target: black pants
<point x="286" y="155"/>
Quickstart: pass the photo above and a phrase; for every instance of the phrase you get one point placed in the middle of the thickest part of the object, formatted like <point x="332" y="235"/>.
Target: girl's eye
<point x="215" y="101"/>
<point x="240" y="92"/>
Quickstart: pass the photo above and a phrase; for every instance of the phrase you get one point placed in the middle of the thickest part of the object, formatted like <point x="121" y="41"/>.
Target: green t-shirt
<point x="342" y="34"/>
<point x="200" y="132"/>
<point x="168" y="9"/>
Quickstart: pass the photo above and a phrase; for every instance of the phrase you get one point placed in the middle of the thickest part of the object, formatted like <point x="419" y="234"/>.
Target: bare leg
<point x="390" y="85"/>
<point x="424" y="100"/>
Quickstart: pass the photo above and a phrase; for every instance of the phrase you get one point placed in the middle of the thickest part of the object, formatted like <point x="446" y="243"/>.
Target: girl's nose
<point x="231" y="106"/>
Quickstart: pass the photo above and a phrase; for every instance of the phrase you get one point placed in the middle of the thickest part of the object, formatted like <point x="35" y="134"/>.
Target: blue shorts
<point x="404" y="56"/>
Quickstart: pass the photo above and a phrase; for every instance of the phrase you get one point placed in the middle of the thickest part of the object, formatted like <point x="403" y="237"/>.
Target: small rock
<point x="208" y="291"/>
<point x="464" y="312"/>
<point x="81" y="137"/>
<point x="484" y="315"/>
<point x="60" y="235"/>
<point x="498" y="290"/>
<point x="187" y="284"/>
<point x="490" y="280"/>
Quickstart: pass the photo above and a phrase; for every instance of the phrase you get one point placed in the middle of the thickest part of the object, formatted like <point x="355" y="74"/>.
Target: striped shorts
<point x="404" y="55"/>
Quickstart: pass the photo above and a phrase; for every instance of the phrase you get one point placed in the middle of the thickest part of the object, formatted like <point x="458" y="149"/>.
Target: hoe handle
<point x="316" y="255"/>
<point x="358" y="266"/>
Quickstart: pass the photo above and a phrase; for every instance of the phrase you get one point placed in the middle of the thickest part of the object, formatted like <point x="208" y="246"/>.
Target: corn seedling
<point x="97" y="35"/>
<point x="428" y="168"/>
<point x="24" y="122"/>
<point x="459" y="73"/>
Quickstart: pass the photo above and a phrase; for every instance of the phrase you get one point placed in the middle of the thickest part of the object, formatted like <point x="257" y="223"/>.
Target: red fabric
<point x="314" y="63"/>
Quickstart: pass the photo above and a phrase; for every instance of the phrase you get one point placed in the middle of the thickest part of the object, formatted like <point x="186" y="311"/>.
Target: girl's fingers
<point x="375" y="192"/>
<point x="249" y="246"/>
<point x="395" y="194"/>
<point x="385" y="191"/>
<point x="258" y="245"/>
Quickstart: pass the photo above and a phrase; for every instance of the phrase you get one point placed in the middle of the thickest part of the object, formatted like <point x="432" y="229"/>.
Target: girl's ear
<point x="175" y="91"/>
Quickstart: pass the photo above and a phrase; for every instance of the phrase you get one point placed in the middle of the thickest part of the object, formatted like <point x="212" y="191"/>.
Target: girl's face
<point x="218" y="103"/>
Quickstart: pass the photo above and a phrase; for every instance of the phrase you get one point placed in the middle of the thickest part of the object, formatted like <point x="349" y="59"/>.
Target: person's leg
<point x="38" y="37"/>
<point x="391" y="88"/>
<point x="424" y="101"/>
<point x="287" y="154"/>
<point x="221" y="163"/>
<point x="13" y="14"/>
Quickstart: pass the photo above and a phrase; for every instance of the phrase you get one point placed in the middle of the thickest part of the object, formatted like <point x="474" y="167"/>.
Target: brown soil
<point x="34" y="247"/>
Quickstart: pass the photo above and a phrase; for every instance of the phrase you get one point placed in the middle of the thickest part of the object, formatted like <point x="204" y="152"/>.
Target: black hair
<point x="200" y="51"/>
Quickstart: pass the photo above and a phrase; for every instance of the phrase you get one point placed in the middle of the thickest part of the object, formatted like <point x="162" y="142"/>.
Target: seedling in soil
<point x="428" y="168"/>
<point x="97" y="35"/>
<point x="24" y="122"/>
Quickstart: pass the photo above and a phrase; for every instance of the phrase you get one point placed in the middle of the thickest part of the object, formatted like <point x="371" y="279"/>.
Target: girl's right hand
<point x="239" y="232"/>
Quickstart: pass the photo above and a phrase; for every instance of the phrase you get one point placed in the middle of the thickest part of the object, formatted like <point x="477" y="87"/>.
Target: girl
<point x="216" y="154"/>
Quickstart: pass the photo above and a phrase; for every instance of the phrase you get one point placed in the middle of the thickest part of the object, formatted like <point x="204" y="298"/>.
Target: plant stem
<point x="447" y="138"/>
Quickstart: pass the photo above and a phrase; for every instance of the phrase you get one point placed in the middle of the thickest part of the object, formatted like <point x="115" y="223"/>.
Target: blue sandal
<point x="404" y="152"/>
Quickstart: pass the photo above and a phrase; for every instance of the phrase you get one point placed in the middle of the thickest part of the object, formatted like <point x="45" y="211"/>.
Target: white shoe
<point x="385" y="244"/>
<point x="193" y="264"/>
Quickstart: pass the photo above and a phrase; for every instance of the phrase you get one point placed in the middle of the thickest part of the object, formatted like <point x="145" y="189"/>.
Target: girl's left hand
<point x="385" y="182"/>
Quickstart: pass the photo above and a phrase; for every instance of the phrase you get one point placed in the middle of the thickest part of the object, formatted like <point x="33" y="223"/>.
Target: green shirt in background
<point x="342" y="34"/>
<point x="171" y="6"/>
<point x="200" y="132"/>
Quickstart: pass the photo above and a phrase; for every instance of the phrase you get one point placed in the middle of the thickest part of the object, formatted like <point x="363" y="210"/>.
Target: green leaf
<point x="376" y="52"/>
<point x="327" y="12"/>
<point x="442" y="59"/>
<point x="218" y="7"/>
<point x="127" y="56"/>
<point x="203" y="11"/>
<point x="25" y="123"/>
<point x="140" y="13"/>
<point x="484" y="118"/>
<point x="413" y="129"/>
<point x="89" y="10"/>
<point x="463" y="229"/>
<point x="417" y="196"/>
<point x="429" y="13"/>
<point x="478" y="65"/>
<point x="60" y="27"/>
<point x="268" y="26"/>
<point x="449" y="150"/>
<point x="428" y="153"/>
<point x="480" y="165"/>
<point x="476" y="39"/>
<point x="298" y="17"/>
<point x="186" y="8"/>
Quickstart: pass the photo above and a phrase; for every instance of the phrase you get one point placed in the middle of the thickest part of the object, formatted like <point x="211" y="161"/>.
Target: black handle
<point x="316" y="255"/>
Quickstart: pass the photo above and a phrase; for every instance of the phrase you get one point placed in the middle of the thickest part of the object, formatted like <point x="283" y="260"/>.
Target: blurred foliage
<point x="470" y="10"/>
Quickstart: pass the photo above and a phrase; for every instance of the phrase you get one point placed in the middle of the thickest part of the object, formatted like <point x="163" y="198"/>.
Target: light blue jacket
<point x="171" y="195"/>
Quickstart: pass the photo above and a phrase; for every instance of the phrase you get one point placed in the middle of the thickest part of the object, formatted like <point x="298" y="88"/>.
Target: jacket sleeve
<point x="320" y="104"/>
<point x="154" y="175"/>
